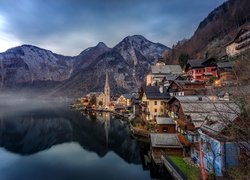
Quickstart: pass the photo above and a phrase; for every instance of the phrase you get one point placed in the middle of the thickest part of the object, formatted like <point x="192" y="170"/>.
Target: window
<point x="155" y="102"/>
<point x="164" y="129"/>
<point x="198" y="70"/>
<point x="155" y="110"/>
<point x="161" y="102"/>
<point x="161" y="110"/>
<point x="198" y="77"/>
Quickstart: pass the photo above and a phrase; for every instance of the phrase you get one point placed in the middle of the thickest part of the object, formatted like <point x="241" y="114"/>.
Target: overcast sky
<point x="69" y="26"/>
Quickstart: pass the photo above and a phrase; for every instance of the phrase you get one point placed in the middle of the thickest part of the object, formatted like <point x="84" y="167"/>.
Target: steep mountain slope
<point x="217" y="29"/>
<point x="87" y="56"/>
<point x="26" y="64"/>
<point x="127" y="64"/>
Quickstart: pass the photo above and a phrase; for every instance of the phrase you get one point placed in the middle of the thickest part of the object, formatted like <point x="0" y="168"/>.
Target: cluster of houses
<point x="178" y="101"/>
<point x="182" y="105"/>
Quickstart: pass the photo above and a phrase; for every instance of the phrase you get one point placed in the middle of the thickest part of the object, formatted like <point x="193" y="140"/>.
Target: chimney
<point x="199" y="98"/>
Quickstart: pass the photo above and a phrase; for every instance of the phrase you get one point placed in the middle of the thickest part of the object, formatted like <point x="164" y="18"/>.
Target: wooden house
<point x="201" y="69"/>
<point x="239" y="44"/>
<point x="186" y="88"/>
<point x="167" y="143"/>
<point x="165" y="125"/>
<point x="226" y="73"/>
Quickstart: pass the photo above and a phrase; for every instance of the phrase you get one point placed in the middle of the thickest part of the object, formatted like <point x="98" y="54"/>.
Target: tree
<point x="92" y="100"/>
<point x="100" y="103"/>
<point x="183" y="58"/>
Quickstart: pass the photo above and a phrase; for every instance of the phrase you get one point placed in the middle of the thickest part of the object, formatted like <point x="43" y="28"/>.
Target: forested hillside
<point x="217" y="29"/>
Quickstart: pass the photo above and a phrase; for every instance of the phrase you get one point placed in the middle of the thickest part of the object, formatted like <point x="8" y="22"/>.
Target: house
<point x="125" y="100"/>
<point x="239" y="44"/>
<point x="186" y="88"/>
<point x="190" y="111"/>
<point x="226" y="73"/>
<point x="167" y="143"/>
<point x="161" y="71"/>
<point x="201" y="69"/>
<point x="152" y="101"/>
<point x="165" y="125"/>
<point x="218" y="145"/>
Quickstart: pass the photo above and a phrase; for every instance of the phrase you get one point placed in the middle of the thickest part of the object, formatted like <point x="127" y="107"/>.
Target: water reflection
<point x="53" y="142"/>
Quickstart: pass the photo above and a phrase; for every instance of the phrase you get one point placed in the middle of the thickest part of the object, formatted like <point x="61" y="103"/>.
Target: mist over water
<point x="43" y="139"/>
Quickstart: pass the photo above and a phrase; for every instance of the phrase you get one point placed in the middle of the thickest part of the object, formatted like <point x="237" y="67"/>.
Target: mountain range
<point x="31" y="69"/>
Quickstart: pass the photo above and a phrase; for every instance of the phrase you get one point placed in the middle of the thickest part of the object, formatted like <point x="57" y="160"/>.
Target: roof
<point x="208" y="107"/>
<point x="165" y="120"/>
<point x="166" y="69"/>
<point x="127" y="96"/>
<point x="165" y="140"/>
<point x="153" y="92"/>
<point x="182" y="83"/>
<point x="218" y="121"/>
<point x="196" y="63"/>
<point x="240" y="32"/>
<point x="225" y="64"/>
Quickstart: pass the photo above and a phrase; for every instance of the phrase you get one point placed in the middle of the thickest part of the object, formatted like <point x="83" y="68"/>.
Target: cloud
<point x="66" y="26"/>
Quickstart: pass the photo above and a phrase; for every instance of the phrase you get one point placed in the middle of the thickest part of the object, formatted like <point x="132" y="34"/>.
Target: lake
<point x="41" y="140"/>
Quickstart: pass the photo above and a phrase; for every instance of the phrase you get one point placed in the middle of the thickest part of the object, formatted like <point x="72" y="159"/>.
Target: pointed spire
<point x="107" y="80"/>
<point x="106" y="91"/>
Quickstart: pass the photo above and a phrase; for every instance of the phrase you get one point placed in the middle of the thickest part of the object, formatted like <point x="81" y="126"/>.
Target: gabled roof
<point x="166" y="69"/>
<point x="205" y="107"/>
<point x="216" y="122"/>
<point x="165" y="140"/>
<point x="198" y="63"/>
<point x="240" y="32"/>
<point x="127" y="96"/>
<point x="182" y="83"/>
<point x="165" y="120"/>
<point x="153" y="92"/>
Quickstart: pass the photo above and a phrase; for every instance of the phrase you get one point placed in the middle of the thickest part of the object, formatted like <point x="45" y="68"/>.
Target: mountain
<point x="29" y="63"/>
<point x="30" y="68"/>
<point x="127" y="64"/>
<point x="215" y="31"/>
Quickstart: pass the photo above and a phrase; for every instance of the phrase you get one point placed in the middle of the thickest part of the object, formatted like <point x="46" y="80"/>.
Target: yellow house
<point x="152" y="101"/>
<point x="240" y="43"/>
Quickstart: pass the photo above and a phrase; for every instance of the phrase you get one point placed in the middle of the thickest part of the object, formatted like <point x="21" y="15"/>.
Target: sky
<point x="68" y="27"/>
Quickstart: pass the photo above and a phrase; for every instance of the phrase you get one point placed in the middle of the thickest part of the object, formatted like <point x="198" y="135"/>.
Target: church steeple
<point x="106" y="91"/>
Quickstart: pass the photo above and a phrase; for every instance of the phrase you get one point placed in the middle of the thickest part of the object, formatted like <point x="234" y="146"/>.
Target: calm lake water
<point x="48" y="141"/>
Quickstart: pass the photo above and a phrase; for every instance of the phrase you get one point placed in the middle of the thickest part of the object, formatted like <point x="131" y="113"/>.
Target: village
<point x="185" y="112"/>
